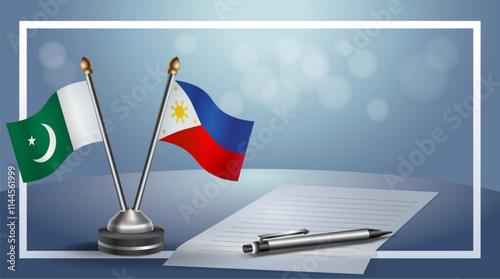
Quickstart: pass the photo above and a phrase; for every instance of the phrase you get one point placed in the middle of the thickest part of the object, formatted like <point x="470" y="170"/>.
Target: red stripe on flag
<point x="211" y="156"/>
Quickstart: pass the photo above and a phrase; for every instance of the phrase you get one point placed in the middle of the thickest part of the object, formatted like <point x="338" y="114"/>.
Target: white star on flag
<point x="31" y="140"/>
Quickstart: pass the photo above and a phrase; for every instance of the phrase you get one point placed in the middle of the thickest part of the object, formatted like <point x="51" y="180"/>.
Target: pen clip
<point x="263" y="237"/>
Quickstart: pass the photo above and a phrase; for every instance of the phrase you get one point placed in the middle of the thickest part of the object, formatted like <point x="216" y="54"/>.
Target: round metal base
<point x="131" y="244"/>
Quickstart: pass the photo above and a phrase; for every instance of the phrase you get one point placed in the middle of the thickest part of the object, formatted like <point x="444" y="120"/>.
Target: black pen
<point x="264" y="245"/>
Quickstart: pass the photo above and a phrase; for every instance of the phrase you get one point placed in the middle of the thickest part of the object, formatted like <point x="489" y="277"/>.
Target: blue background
<point x="319" y="137"/>
<point x="227" y="63"/>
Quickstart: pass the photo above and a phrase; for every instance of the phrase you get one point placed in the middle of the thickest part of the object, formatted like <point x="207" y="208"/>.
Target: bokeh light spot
<point x="244" y="58"/>
<point x="334" y="92"/>
<point x="52" y="55"/>
<point x="363" y="64"/>
<point x="377" y="109"/>
<point x="186" y="43"/>
<point x="420" y="81"/>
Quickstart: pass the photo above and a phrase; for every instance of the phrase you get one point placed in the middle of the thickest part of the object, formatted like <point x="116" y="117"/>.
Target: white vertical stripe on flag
<point x="79" y="114"/>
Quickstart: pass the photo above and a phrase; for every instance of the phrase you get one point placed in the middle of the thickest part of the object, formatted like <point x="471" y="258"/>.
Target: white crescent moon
<point x="52" y="145"/>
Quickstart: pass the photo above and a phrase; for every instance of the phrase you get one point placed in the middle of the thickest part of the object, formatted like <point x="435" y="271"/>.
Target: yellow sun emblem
<point x="179" y="111"/>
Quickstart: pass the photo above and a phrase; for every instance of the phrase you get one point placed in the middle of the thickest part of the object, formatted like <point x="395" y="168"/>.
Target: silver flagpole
<point x="86" y="67"/>
<point x="173" y="66"/>
<point x="129" y="232"/>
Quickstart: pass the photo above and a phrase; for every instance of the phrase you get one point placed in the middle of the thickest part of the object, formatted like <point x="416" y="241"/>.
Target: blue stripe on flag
<point x="229" y="132"/>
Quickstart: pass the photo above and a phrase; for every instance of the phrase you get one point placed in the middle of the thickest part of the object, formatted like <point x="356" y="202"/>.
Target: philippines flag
<point x="215" y="139"/>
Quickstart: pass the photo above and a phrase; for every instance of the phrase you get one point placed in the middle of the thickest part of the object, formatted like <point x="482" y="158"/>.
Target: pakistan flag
<point x="65" y="123"/>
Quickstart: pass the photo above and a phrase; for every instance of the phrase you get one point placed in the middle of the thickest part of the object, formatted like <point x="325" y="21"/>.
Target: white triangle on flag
<point x="180" y="113"/>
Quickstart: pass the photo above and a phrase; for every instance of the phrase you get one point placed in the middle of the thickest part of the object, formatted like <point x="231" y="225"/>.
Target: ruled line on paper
<point x="312" y="216"/>
<point x="213" y="250"/>
<point x="322" y="197"/>
<point x="350" y="208"/>
<point x="352" y="203"/>
<point x="229" y="241"/>
<point x="316" y="221"/>
<point x="280" y="224"/>
<point x="331" y="212"/>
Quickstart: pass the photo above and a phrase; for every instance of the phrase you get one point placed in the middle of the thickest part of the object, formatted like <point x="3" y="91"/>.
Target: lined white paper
<point x="316" y="208"/>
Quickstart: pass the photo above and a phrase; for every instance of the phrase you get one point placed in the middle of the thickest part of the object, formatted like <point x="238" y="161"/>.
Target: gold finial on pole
<point x="86" y="66"/>
<point x="173" y="66"/>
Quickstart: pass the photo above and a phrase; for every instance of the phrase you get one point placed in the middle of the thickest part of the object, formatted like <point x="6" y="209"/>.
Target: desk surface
<point x="66" y="215"/>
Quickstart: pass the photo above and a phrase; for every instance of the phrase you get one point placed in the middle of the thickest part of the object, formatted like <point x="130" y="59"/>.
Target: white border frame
<point x="474" y="25"/>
